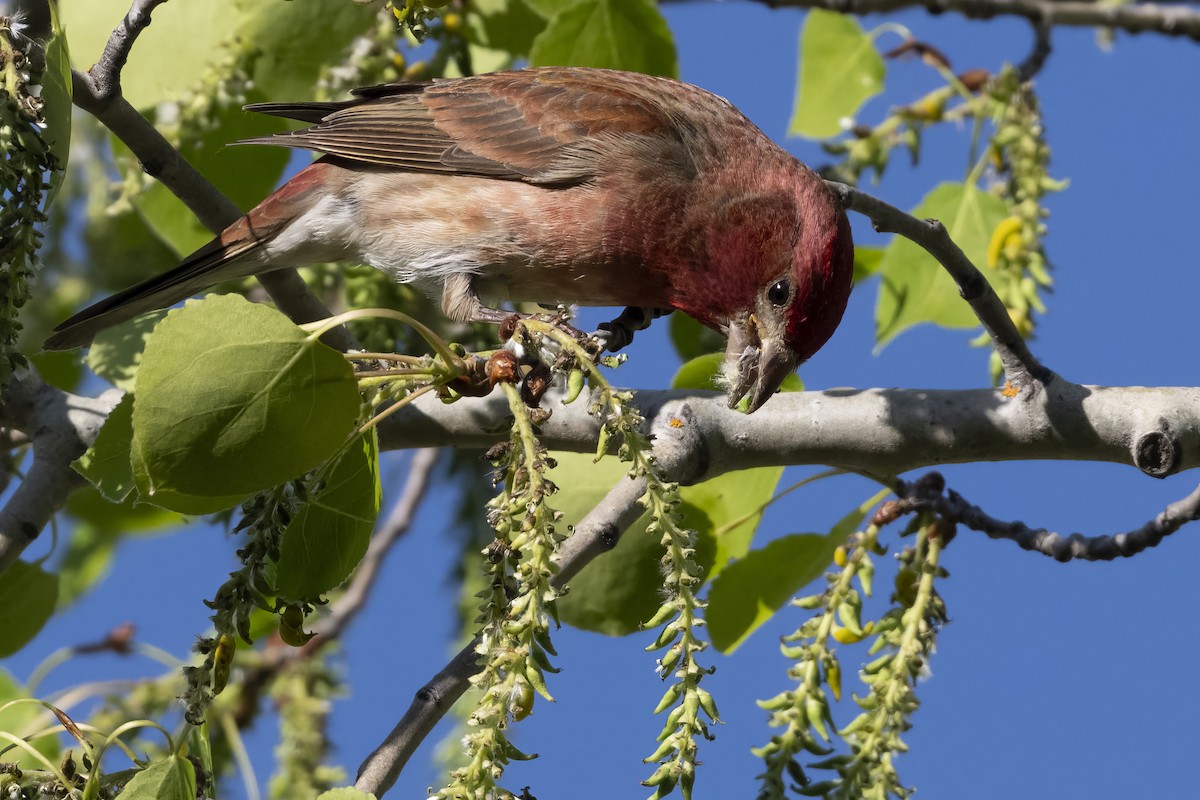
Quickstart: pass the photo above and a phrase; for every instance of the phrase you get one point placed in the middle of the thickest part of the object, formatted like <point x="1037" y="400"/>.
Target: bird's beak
<point x="755" y="364"/>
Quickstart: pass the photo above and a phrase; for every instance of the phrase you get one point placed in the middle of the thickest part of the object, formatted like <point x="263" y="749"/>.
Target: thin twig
<point x="1022" y="370"/>
<point x="1028" y="69"/>
<point x="950" y="505"/>
<point x="104" y="78"/>
<point x="680" y="454"/>
<point x="1134" y="18"/>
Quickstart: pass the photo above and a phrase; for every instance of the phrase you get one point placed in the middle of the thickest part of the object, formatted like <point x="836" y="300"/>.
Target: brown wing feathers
<point x="526" y="126"/>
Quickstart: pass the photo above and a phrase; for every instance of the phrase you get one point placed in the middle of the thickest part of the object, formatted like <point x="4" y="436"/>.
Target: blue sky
<point x="1052" y="680"/>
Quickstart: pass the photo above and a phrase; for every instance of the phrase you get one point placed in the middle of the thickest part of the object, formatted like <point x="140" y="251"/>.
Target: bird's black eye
<point x="779" y="294"/>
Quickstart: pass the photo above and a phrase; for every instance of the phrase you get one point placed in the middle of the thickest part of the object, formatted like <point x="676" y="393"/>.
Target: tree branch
<point x="881" y="431"/>
<point x="1022" y="370"/>
<point x="1076" y="547"/>
<point x="679" y="455"/>
<point x="1139" y="18"/>
<point x="61" y="426"/>
<point x="98" y="91"/>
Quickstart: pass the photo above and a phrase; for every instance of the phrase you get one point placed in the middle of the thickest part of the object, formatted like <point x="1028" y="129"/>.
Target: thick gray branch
<point x="60" y="426"/>
<point x="1168" y="21"/>
<point x="882" y="431"/>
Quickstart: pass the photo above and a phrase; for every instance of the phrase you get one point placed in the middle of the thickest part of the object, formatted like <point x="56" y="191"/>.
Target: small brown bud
<point x="509" y="326"/>
<point x="502" y="368"/>
<point x="928" y="53"/>
<point x="887" y="513"/>
<point x="974" y="79"/>
<point x="497" y="452"/>
<point x="535" y="385"/>
<point x="944" y="530"/>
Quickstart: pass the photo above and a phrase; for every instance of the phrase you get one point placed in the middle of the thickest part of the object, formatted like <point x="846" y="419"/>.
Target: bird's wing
<point x="550" y="126"/>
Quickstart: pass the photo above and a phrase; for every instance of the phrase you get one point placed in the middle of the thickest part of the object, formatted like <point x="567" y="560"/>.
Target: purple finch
<point x="555" y="185"/>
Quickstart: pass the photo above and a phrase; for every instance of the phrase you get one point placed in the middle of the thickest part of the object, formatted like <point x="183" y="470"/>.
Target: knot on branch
<point x="680" y="449"/>
<point x="1157" y="453"/>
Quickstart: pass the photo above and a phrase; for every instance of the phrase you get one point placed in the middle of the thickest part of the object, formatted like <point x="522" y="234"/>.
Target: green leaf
<point x="171" y="54"/>
<point x="86" y="561"/>
<point x="753" y="588"/>
<point x="281" y="47"/>
<point x="232" y="398"/>
<point x="866" y="262"/>
<point x="508" y="25"/>
<point x="617" y="34"/>
<point x="56" y="92"/>
<point x="840" y="69"/>
<point x="548" y="8"/>
<point x="623" y="588"/>
<point x="345" y="793"/>
<point x="915" y="288"/>
<point x="27" y="599"/>
<point x="327" y="539"/>
<point x="286" y="44"/>
<point x="750" y="590"/>
<point x="173" y="778"/>
<point x="293" y="42"/>
<point x="16" y="719"/>
<point x="731" y="506"/>
<point x="106" y="463"/>
<point x="691" y="339"/>
<point x="89" y="507"/>
<point x="116" y="352"/>
<point x="700" y="373"/>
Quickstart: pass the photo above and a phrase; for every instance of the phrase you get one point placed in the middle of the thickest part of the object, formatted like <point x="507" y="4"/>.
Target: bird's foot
<point x="618" y="333"/>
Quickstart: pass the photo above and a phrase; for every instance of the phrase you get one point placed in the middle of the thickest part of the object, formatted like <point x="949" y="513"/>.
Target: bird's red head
<point x="822" y="267"/>
<point x="797" y="245"/>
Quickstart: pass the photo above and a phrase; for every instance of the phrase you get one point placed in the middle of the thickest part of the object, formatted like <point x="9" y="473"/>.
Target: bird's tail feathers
<point x="217" y="261"/>
<point x="234" y="254"/>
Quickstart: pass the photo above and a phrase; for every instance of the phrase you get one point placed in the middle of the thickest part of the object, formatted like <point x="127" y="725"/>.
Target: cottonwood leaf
<point x="231" y="399"/>
<point x="28" y="595"/>
<point x="173" y="778"/>
<point x="753" y="588"/>
<point x="56" y="93"/>
<point x="840" y="69"/>
<point x="327" y="539"/>
<point x="616" y="34"/>
<point x="914" y="287"/>
<point x="621" y="589"/>
<point x="106" y="463"/>
<point x="345" y="793"/>
<point x="866" y="262"/>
